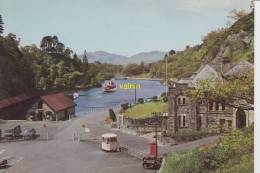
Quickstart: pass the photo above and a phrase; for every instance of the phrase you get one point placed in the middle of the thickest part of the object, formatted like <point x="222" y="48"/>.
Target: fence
<point x="83" y="137"/>
<point x="97" y="109"/>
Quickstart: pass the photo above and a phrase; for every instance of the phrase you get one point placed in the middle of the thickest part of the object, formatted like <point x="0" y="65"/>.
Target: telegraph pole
<point x="135" y="93"/>
<point x="166" y="75"/>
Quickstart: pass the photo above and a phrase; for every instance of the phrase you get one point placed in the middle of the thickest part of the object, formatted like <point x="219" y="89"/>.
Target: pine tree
<point x="85" y="58"/>
<point x="1" y="25"/>
<point x="85" y="63"/>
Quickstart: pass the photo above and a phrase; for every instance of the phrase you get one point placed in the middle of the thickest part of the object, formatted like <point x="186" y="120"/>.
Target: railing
<point x="97" y="109"/>
<point x="82" y="137"/>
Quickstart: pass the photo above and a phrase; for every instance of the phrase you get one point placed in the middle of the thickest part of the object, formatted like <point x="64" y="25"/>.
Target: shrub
<point x="112" y="115"/>
<point x="232" y="153"/>
<point x="141" y="100"/>
<point x="164" y="97"/>
<point x="190" y="135"/>
<point x="154" y="98"/>
<point x="124" y="106"/>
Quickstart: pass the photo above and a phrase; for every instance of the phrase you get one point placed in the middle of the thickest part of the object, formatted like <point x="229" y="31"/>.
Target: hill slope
<point x="235" y="43"/>
<point x="13" y="74"/>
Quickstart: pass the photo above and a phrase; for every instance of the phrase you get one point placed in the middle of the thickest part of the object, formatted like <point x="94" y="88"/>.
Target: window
<point x="217" y="106"/>
<point x="223" y="106"/>
<point x="229" y="123"/>
<point x="182" y="120"/>
<point x="179" y="101"/>
<point x="179" y="121"/>
<point x="210" y="105"/>
<point x="183" y="101"/>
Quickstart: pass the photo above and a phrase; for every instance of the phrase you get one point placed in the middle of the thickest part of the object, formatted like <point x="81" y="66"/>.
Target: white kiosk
<point x="109" y="142"/>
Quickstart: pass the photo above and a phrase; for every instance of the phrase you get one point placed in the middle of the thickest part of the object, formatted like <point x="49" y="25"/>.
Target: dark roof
<point x="10" y="101"/>
<point x="58" y="102"/>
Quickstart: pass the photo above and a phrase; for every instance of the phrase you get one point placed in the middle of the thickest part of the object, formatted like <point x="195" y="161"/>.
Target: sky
<point x="123" y="27"/>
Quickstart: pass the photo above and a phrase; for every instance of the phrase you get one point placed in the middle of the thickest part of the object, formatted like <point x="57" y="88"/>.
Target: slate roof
<point x="10" y="101"/>
<point x="184" y="81"/>
<point x="240" y="69"/>
<point x="207" y="72"/>
<point x="58" y="102"/>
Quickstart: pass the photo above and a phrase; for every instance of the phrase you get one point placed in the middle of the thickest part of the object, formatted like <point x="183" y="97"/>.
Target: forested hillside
<point x="52" y="66"/>
<point x="235" y="43"/>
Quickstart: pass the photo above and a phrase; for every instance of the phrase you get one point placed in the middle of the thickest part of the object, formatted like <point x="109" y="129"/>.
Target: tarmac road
<point x="61" y="155"/>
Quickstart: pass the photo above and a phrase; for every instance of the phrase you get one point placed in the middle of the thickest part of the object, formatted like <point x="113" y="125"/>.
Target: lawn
<point x="145" y="110"/>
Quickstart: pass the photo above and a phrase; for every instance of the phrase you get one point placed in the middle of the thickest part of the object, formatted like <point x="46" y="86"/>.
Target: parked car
<point x="13" y="133"/>
<point x="29" y="134"/>
<point x="3" y="164"/>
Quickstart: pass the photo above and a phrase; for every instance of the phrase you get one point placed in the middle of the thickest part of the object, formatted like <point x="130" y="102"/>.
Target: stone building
<point x="185" y="113"/>
<point x="52" y="107"/>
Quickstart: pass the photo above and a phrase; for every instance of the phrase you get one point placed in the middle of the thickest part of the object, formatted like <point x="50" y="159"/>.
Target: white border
<point x="257" y="86"/>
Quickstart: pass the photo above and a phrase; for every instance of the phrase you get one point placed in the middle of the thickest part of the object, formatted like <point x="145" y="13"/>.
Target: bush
<point x="163" y="97"/>
<point x="112" y="115"/>
<point x="141" y="100"/>
<point x="124" y="106"/>
<point x="232" y="153"/>
<point x="154" y="98"/>
<point x="190" y="135"/>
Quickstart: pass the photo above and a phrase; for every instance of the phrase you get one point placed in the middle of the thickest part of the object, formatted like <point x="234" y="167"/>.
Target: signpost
<point x="45" y="131"/>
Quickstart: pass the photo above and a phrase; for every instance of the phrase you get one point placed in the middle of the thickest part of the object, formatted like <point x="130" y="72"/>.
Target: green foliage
<point x="53" y="66"/>
<point x="155" y="98"/>
<point x="124" y="106"/>
<point x="146" y="110"/>
<point x="226" y="90"/>
<point x="232" y="153"/>
<point x="163" y="97"/>
<point x="191" y="135"/>
<point x="112" y="115"/>
<point x="15" y="69"/>
<point x="1" y="25"/>
<point x="133" y="69"/>
<point x="184" y="63"/>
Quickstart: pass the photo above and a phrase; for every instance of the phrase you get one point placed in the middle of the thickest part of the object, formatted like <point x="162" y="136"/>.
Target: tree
<point x="1" y="25"/>
<point x="172" y="52"/>
<point x="85" y="58"/>
<point x="237" y="14"/>
<point x="142" y="66"/>
<point x="46" y="43"/>
<point x="112" y="115"/>
<point x="85" y="66"/>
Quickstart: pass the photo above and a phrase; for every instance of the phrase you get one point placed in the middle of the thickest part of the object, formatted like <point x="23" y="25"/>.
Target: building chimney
<point x="225" y="65"/>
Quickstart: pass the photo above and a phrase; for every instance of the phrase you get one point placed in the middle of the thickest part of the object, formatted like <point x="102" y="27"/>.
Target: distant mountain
<point x="106" y="57"/>
<point x="147" y="57"/>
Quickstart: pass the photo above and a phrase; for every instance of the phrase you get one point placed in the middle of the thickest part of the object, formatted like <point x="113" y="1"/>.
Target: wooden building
<point x="52" y="107"/>
<point x="15" y="108"/>
<point x="36" y="106"/>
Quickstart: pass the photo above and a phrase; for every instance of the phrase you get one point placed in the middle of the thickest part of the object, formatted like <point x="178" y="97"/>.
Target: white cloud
<point x="212" y="6"/>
